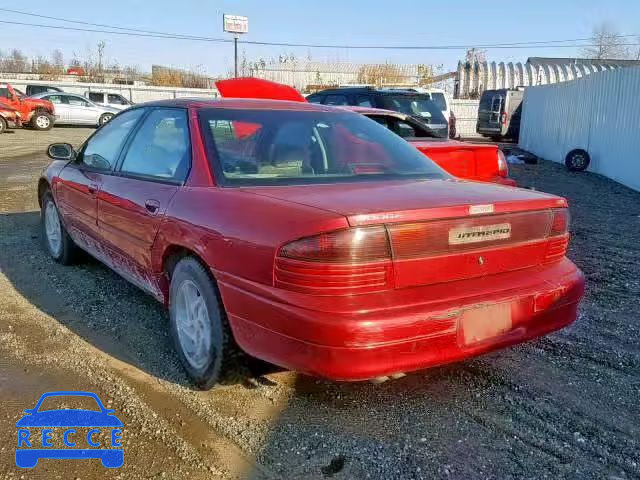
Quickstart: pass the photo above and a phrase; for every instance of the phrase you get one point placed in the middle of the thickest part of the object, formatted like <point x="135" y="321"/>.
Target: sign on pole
<point x="235" y="24"/>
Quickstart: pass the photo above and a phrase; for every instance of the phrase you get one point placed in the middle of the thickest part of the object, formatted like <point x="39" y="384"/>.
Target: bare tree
<point x="606" y="44"/>
<point x="475" y="55"/>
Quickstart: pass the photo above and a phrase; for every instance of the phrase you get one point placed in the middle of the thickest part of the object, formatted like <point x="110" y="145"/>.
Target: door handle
<point x="152" y="206"/>
<point x="93" y="188"/>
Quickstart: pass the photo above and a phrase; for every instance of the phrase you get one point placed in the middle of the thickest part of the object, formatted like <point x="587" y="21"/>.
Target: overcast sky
<point x="361" y="22"/>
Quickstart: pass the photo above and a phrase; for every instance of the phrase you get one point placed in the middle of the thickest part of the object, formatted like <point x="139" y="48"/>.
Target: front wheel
<point x="56" y="239"/>
<point x="104" y="118"/>
<point x="42" y="121"/>
<point x="3" y="125"/>
<point x="199" y="326"/>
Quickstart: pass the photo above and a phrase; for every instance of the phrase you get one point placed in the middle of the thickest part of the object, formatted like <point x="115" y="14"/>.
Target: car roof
<point x="366" y="90"/>
<point x="372" y="111"/>
<point x="242" y="104"/>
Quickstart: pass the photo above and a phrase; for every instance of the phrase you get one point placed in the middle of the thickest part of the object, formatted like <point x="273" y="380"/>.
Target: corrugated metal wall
<point x="599" y="113"/>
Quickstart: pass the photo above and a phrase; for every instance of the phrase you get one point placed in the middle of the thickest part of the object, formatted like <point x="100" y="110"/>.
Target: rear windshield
<point x="417" y="105"/>
<point x="271" y="147"/>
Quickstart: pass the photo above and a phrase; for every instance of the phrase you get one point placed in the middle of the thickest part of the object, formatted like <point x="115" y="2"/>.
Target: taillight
<point x="503" y="167"/>
<point x="559" y="235"/>
<point x="355" y="260"/>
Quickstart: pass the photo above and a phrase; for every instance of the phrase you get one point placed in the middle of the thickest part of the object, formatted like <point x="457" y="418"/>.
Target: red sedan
<point x="308" y="236"/>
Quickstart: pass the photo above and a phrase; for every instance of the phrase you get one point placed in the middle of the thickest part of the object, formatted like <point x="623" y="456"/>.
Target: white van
<point x="108" y="99"/>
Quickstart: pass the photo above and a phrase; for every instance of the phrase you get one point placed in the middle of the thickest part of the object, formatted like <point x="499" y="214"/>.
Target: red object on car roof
<point x="321" y="242"/>
<point x="257" y="88"/>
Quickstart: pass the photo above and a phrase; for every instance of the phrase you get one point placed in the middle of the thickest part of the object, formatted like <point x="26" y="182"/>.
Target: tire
<point x="42" y="121"/>
<point x="205" y="352"/>
<point x="3" y="125"/>
<point x="104" y="118"/>
<point x="577" y="160"/>
<point x="63" y="250"/>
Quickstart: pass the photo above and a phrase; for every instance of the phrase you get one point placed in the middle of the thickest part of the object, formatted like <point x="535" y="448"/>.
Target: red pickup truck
<point x="37" y="113"/>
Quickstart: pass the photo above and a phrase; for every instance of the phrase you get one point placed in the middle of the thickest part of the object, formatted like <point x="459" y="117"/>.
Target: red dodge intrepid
<point x="308" y="236"/>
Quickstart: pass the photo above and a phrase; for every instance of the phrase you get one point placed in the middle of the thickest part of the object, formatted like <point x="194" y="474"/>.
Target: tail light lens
<point x="559" y="235"/>
<point x="503" y="167"/>
<point x="355" y="260"/>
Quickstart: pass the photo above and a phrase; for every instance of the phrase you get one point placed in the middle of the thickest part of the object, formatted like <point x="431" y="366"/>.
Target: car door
<point x="77" y="186"/>
<point x="132" y="203"/>
<point x="81" y="111"/>
<point x="61" y="106"/>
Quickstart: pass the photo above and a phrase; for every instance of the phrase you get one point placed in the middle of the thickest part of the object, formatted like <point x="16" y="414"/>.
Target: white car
<point x="108" y="99"/>
<point x="76" y="110"/>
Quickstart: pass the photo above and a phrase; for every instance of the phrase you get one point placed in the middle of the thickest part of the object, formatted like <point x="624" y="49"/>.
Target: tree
<point x="382" y="74"/>
<point x="606" y="44"/>
<point x="475" y="55"/>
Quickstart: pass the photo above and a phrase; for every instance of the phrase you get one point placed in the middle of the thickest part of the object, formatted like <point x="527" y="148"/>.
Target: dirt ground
<point x="565" y="406"/>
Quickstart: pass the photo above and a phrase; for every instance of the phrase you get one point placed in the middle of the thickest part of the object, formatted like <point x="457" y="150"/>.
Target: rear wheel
<point x="199" y="326"/>
<point x="3" y="125"/>
<point x="104" y="118"/>
<point x="42" y="120"/>
<point x="577" y="160"/>
<point x="56" y="239"/>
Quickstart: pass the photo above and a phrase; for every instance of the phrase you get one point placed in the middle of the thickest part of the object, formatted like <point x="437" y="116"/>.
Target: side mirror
<point x="61" y="151"/>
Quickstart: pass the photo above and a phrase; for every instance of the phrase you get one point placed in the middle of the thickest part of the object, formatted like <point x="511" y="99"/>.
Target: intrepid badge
<point x="484" y="233"/>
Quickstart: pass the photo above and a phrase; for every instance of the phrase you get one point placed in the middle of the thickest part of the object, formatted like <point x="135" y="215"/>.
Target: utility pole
<point x="235" y="55"/>
<point x="237" y="25"/>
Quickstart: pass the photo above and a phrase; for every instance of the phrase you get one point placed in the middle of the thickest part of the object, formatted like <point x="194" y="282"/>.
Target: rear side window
<point x="101" y="151"/>
<point x="336" y="100"/>
<point x="57" y="99"/>
<point x="315" y="98"/>
<point x="96" y="97"/>
<point x="161" y="148"/>
<point x="76" y="101"/>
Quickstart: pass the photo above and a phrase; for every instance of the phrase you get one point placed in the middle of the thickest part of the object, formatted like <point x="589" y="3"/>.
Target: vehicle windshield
<point x="267" y="147"/>
<point x="417" y="105"/>
<point x="439" y="100"/>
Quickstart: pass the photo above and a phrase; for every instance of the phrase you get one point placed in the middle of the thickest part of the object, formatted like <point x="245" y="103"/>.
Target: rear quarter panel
<point x="235" y="232"/>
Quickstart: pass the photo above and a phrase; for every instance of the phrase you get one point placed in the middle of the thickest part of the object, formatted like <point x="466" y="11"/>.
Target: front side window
<point x="161" y="148"/>
<point x="265" y="147"/>
<point x="101" y="151"/>
<point x="439" y="99"/>
<point x="116" y="99"/>
<point x="4" y="92"/>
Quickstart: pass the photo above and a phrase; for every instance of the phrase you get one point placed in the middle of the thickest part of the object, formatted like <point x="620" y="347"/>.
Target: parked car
<point x="35" y="89"/>
<point x="308" y="236"/>
<point x="473" y="161"/>
<point x="499" y="113"/>
<point x="76" y="110"/>
<point x="437" y="96"/>
<point x="9" y="117"/>
<point x="35" y="112"/>
<point x="107" y="99"/>
<point x="418" y="105"/>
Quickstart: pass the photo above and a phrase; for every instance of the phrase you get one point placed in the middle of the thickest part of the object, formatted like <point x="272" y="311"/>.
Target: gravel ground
<point x="565" y="406"/>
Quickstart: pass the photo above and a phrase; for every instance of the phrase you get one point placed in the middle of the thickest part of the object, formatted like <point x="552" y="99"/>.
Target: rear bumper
<point x="339" y="338"/>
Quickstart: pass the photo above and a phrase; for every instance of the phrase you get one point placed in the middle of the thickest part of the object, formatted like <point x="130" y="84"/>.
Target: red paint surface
<point x="408" y="321"/>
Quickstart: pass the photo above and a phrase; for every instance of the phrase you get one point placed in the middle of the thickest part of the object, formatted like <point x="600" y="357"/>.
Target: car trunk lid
<point x="442" y="231"/>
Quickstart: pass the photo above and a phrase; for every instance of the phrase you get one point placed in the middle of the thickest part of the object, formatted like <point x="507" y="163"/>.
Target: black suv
<point x="417" y="105"/>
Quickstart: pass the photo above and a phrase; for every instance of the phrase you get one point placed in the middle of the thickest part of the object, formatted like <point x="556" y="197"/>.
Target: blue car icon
<point x="28" y="456"/>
